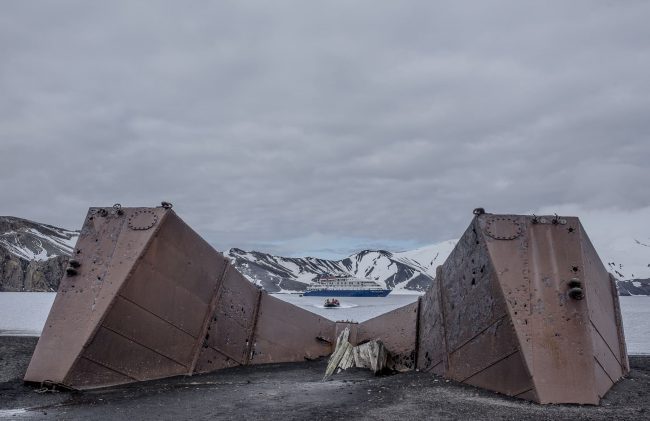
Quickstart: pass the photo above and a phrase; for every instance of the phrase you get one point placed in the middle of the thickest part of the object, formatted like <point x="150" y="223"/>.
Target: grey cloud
<point x="285" y="126"/>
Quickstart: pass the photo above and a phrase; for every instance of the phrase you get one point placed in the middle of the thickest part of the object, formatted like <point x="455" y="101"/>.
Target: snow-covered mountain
<point x="34" y="241"/>
<point x="33" y="257"/>
<point x="408" y="270"/>
<point x="627" y="258"/>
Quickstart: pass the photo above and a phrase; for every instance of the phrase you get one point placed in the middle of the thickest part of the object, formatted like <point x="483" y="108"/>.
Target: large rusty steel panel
<point x="604" y="311"/>
<point x="605" y="357"/>
<point x="625" y="364"/>
<point x="432" y="347"/>
<point x="129" y="358"/>
<point x="147" y="298"/>
<point x="238" y="298"/>
<point x="397" y="330"/>
<point x="552" y="297"/>
<point x="467" y="283"/>
<point x="160" y="295"/>
<point x="182" y="255"/>
<point x="478" y="333"/>
<point x="560" y="324"/>
<point x="231" y="325"/>
<point x="602" y="381"/>
<point x="87" y="374"/>
<point x="149" y="330"/>
<point x="537" y="270"/>
<point x="508" y="376"/>
<point x="105" y="253"/>
<point x="211" y="360"/>
<point x="177" y="277"/>
<point x="484" y="350"/>
<point x="285" y="332"/>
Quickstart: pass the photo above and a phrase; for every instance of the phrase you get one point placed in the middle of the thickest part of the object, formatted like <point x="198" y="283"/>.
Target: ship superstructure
<point x="345" y="286"/>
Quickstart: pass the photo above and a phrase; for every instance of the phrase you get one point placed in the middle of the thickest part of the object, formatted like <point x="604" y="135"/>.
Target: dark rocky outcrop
<point x="17" y="274"/>
<point x="633" y="287"/>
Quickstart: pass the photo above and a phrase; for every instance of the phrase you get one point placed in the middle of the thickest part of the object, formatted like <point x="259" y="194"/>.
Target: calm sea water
<point x="24" y="313"/>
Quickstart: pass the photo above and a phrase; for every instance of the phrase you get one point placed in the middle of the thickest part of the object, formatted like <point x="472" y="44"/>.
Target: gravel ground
<point x="296" y="392"/>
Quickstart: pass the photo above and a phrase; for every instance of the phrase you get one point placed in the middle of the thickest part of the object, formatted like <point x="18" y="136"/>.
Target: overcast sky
<point x="324" y="127"/>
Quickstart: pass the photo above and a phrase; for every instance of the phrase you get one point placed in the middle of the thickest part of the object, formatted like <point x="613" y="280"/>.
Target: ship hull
<point x="347" y="293"/>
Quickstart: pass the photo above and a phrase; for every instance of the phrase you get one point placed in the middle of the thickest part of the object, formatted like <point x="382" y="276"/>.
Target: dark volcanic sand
<point x="296" y="392"/>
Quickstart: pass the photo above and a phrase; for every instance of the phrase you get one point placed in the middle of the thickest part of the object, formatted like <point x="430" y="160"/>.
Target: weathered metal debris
<point x="145" y="297"/>
<point x="372" y="355"/>
<point x="149" y="298"/>
<point x="522" y="306"/>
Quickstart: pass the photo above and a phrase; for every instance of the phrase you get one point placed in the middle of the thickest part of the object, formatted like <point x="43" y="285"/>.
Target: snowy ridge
<point x="34" y="241"/>
<point x="411" y="271"/>
<point x="404" y="271"/>
<point x="400" y="271"/>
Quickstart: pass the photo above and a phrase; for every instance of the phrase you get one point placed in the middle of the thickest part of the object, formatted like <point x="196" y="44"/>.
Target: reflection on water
<point x="24" y="313"/>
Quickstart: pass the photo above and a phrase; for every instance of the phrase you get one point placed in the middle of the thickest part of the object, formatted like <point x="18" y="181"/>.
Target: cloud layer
<point x="294" y="127"/>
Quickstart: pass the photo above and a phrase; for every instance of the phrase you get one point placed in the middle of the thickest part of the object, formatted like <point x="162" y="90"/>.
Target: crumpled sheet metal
<point x="500" y="314"/>
<point x="152" y="299"/>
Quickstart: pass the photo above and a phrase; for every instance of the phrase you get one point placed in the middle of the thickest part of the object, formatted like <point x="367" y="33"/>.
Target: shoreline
<point x="295" y="391"/>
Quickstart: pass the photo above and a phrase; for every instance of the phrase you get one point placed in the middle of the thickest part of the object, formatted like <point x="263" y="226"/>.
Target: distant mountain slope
<point x="34" y="241"/>
<point x="411" y="270"/>
<point x="32" y="255"/>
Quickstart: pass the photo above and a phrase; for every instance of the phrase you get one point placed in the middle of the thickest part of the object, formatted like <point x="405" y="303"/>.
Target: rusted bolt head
<point x="70" y="271"/>
<point x="576" y="293"/>
<point x="575" y="283"/>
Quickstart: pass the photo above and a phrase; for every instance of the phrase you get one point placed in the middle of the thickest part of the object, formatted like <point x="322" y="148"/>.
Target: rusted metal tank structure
<point x="145" y="297"/>
<point x="523" y="306"/>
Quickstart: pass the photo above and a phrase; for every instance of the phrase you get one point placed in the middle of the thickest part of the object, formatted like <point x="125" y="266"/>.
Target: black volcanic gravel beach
<point x="296" y="392"/>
